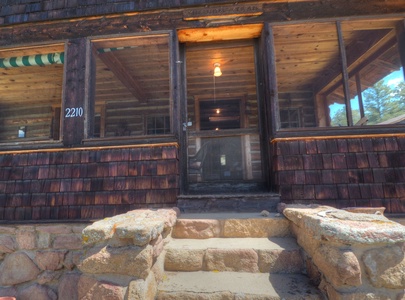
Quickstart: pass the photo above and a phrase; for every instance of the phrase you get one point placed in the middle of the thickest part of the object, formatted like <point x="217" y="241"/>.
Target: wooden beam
<point x="121" y="72"/>
<point x="345" y="74"/>
<point x="359" y="95"/>
<point x="73" y="99"/>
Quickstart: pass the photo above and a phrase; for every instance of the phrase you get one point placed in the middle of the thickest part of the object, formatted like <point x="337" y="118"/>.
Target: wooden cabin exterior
<point x="108" y="106"/>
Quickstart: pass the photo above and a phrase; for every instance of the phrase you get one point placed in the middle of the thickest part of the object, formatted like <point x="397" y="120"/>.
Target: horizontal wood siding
<point x="342" y="172"/>
<point x="87" y="184"/>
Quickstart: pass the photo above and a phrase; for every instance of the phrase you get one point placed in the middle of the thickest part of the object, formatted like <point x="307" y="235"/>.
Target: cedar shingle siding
<point x="342" y="172"/>
<point x="87" y="184"/>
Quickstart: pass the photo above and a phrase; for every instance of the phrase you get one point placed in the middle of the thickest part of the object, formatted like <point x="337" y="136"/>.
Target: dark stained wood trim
<point x="90" y="91"/>
<point x="152" y="20"/>
<point x="271" y="79"/>
<point x="345" y="75"/>
<point x="74" y="91"/>
<point x="341" y="131"/>
<point x="221" y="133"/>
<point x="154" y="145"/>
<point x="183" y="137"/>
<point x="120" y="71"/>
<point x="400" y="34"/>
<point x="337" y="137"/>
<point x="359" y="94"/>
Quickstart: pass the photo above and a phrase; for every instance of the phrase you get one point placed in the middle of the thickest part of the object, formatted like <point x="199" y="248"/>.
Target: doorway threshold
<point x="234" y="202"/>
<point x="226" y="187"/>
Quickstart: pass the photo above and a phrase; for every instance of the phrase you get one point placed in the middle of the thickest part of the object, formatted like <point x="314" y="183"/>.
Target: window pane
<point x="31" y="90"/>
<point x="307" y="61"/>
<point x="132" y="82"/>
<point x="375" y="76"/>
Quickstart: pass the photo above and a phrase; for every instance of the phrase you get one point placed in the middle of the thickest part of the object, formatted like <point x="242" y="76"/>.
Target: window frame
<point x="278" y="132"/>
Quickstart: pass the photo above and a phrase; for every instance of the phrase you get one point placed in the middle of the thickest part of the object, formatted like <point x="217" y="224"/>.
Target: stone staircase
<point x="234" y="256"/>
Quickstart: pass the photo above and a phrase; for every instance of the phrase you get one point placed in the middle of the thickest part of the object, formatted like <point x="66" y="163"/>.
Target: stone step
<point x="243" y="202"/>
<point x="230" y="225"/>
<point x="275" y="255"/>
<point x="231" y="285"/>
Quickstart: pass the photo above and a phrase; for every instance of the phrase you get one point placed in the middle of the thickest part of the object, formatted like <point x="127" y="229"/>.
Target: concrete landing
<point x="234" y="285"/>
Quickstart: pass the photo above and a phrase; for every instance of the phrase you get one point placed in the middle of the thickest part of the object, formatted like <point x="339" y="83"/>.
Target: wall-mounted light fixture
<point x="22" y="131"/>
<point x="217" y="70"/>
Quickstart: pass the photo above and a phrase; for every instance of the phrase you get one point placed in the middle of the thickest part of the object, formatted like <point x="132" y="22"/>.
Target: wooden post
<point x="271" y="76"/>
<point x="74" y="92"/>
<point x="345" y="74"/>
<point x="179" y="105"/>
<point x="359" y="95"/>
<point x="89" y="93"/>
<point x="401" y="43"/>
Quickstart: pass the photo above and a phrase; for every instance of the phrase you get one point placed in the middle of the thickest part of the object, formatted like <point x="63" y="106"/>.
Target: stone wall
<point x="351" y="256"/>
<point x="34" y="258"/>
<point x="115" y="258"/>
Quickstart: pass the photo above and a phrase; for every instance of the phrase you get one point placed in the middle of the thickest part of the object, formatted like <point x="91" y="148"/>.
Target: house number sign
<point x="73" y="112"/>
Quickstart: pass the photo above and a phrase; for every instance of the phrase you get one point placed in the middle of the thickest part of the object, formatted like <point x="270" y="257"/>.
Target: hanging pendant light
<point x="217" y="70"/>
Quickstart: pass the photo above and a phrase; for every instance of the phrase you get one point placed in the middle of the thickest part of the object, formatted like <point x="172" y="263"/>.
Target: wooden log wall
<point x="87" y="183"/>
<point x="304" y="102"/>
<point x="342" y="172"/>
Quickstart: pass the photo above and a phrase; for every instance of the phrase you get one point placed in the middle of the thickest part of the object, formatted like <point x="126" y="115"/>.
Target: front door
<point x="222" y="117"/>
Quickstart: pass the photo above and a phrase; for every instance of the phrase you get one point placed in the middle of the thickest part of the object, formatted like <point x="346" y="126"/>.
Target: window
<point x="158" y="125"/>
<point x="310" y="74"/>
<point x="132" y="81"/>
<point x="31" y="89"/>
<point x="290" y="118"/>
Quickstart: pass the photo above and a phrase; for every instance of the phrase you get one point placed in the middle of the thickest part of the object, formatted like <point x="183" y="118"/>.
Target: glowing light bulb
<point x="217" y="70"/>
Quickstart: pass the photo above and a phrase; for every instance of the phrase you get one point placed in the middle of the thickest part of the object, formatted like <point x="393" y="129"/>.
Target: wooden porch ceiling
<point x="305" y="54"/>
<point x="308" y="58"/>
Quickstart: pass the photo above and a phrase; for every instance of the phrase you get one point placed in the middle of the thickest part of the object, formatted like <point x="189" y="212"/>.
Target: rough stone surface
<point x="184" y="260"/>
<point x="140" y="225"/>
<point x="157" y="245"/>
<point x="48" y="276"/>
<point x="354" y="295"/>
<point x="67" y="241"/>
<point x="143" y="289"/>
<point x="306" y="241"/>
<point x="68" y="287"/>
<point x="196" y="229"/>
<point x="7" y="244"/>
<point x="158" y="268"/>
<point x="17" y="268"/>
<point x="339" y="226"/>
<point x="43" y="240"/>
<point x="50" y="260"/>
<point x="7" y="230"/>
<point x="386" y="267"/>
<point x="237" y="260"/>
<point x="340" y="267"/>
<point x="26" y="238"/>
<point x="55" y="229"/>
<point x="239" y="228"/>
<point x="72" y="259"/>
<point x="132" y="261"/>
<point x="37" y="292"/>
<point x="89" y="289"/>
<point x="8" y="292"/>
<point x="280" y="261"/>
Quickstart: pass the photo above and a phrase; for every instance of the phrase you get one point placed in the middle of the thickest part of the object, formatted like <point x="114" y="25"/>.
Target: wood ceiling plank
<point x="198" y="35"/>
<point x="121" y="72"/>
